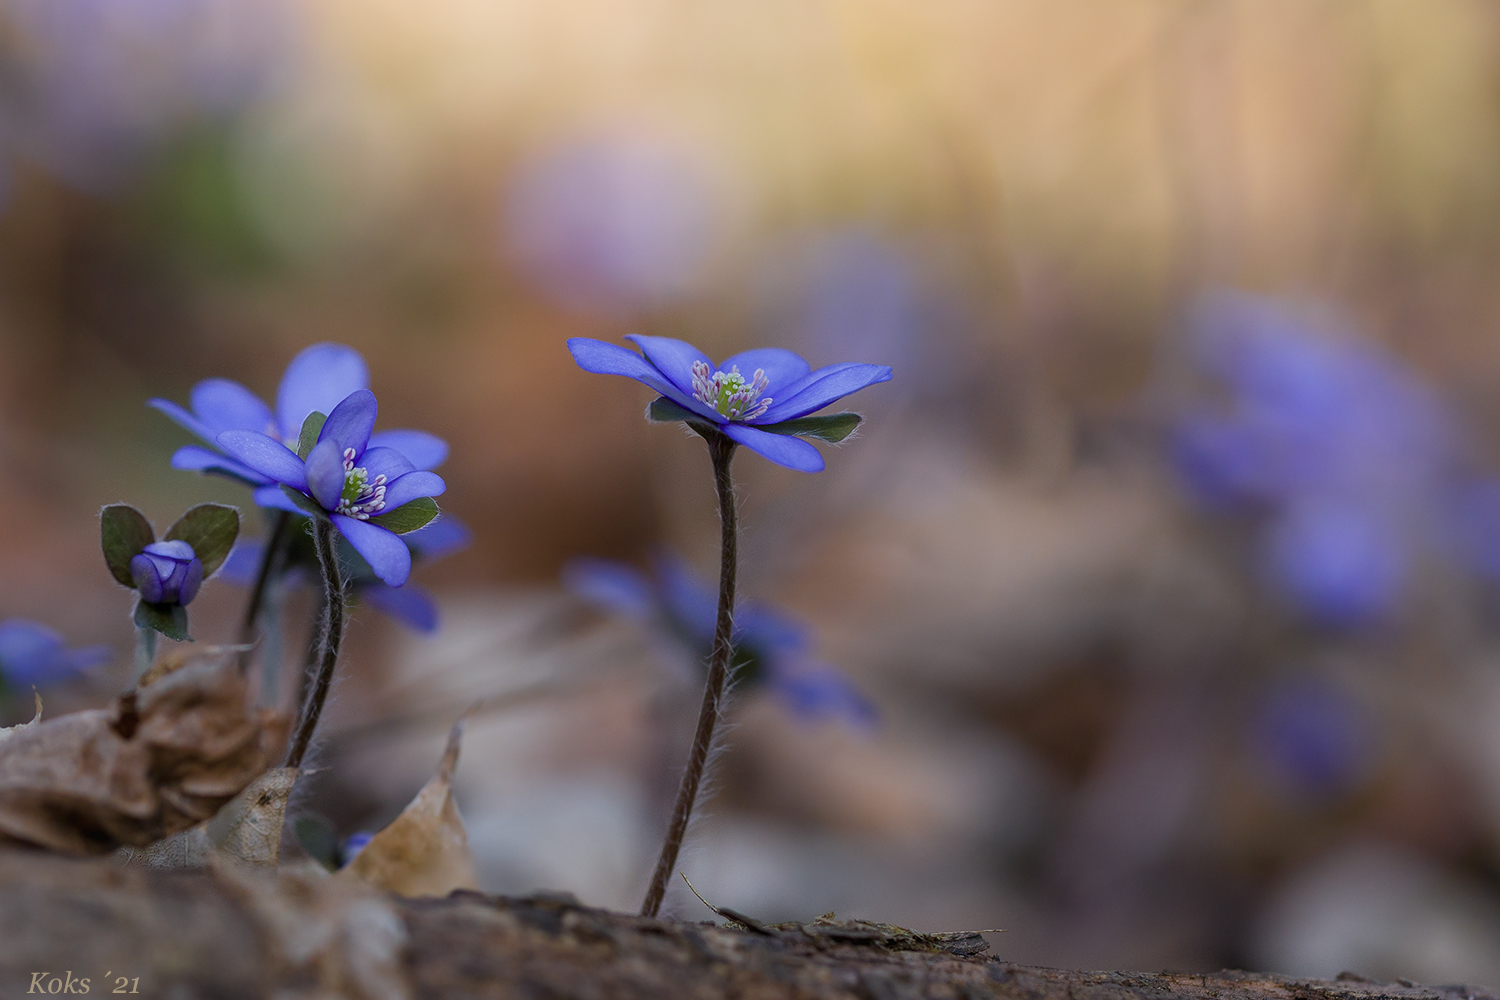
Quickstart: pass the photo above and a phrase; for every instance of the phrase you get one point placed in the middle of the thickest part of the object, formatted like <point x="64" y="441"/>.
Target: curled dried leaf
<point x="246" y="830"/>
<point x="425" y="850"/>
<point x="161" y="759"/>
<point x="7" y="731"/>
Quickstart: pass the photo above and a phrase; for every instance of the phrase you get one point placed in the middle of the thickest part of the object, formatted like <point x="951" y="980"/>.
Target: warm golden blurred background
<point x="1143" y="702"/>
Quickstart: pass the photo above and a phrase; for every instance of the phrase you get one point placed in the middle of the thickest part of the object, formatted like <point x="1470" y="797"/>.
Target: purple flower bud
<point x="167" y="573"/>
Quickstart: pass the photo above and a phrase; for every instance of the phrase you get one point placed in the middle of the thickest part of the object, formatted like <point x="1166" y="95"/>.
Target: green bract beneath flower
<point x="730" y="393"/>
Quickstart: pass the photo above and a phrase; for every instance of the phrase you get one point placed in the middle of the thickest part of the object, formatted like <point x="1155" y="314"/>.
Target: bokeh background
<point x="1168" y="559"/>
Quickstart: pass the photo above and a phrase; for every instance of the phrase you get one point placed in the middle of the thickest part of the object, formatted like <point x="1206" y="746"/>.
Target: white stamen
<point x="730" y="393"/>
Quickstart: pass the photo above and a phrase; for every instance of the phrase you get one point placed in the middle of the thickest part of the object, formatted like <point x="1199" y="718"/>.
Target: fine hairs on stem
<point x="268" y="566"/>
<point x="721" y="451"/>
<point x="332" y="638"/>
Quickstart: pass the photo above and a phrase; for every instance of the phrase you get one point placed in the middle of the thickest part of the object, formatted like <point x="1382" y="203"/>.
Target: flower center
<point x="361" y="497"/>
<point x="730" y="393"/>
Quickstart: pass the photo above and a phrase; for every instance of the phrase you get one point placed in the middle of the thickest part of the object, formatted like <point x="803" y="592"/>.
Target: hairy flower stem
<point x="721" y="450"/>
<point x="332" y="638"/>
<point x="145" y="651"/>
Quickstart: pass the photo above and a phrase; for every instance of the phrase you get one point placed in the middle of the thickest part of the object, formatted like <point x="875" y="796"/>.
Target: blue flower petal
<point x="783" y="368"/>
<point x="146" y="575"/>
<point x="266" y="456"/>
<point x="225" y="405"/>
<point x="439" y="538"/>
<point x="672" y="357"/>
<point x="423" y="450"/>
<point x="31" y="653"/>
<point x="325" y="473"/>
<point x="351" y="422"/>
<point x="822" y="387"/>
<point x="271" y="496"/>
<point x="318" y="379"/>
<point x="783" y="449"/>
<point x="611" y="359"/>
<point x="387" y="462"/>
<point x="411" y="605"/>
<point x="183" y="418"/>
<point x="192" y="458"/>
<point x="386" y="553"/>
<point x="816" y="692"/>
<point x="76" y="660"/>
<point x="690" y="601"/>
<point x="243" y="564"/>
<point x="411" y="486"/>
<point x="611" y="585"/>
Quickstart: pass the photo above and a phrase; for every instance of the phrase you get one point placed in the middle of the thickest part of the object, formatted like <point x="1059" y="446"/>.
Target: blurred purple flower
<point x="770" y="648"/>
<point x="318" y="379"/>
<point x="611" y="222"/>
<point x="167" y="573"/>
<point x="1313" y="739"/>
<point x="411" y="605"/>
<point x="33" y="654"/>
<point x="1345" y="453"/>
<point x="353" y="844"/>
<point x="100" y="80"/>
<point x="843" y="291"/>
<point x="749" y="399"/>
<point x="354" y="481"/>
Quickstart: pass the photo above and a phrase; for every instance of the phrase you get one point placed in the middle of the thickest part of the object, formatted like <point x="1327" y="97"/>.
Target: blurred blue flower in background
<point x="318" y="379"/>
<point x="95" y="82"/>
<point x="410" y="605"/>
<point x="1346" y="454"/>
<point x="33" y="654"/>
<point x="1313" y="739"/>
<point x="611" y="222"/>
<point x="770" y="649"/>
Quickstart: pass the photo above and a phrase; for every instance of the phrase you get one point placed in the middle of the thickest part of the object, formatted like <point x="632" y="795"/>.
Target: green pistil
<point x="355" y="481"/>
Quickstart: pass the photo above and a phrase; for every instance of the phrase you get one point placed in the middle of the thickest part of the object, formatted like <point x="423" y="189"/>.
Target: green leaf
<point x="831" y="427"/>
<point x="663" y="411"/>
<point x="124" y="532"/>
<point x="304" y="501"/>
<point x="409" y="516"/>
<point x="169" y="619"/>
<point x="210" y="528"/>
<point x="311" y="428"/>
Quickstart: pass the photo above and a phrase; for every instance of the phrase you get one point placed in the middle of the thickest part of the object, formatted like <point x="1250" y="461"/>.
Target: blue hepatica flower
<point x="761" y="399"/>
<point x="769" y="649"/>
<point x="1313" y="739"/>
<point x="346" y="476"/>
<point x="613" y="221"/>
<point x="410" y="604"/>
<point x="1345" y="455"/>
<point x="167" y="572"/>
<point x="317" y="380"/>
<point x="33" y="654"/>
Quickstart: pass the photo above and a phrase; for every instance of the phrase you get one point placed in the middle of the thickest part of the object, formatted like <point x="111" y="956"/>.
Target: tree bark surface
<point x="230" y="932"/>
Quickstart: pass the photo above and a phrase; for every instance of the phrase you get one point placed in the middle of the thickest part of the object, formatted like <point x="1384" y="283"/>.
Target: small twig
<point x="721" y="451"/>
<point x="733" y="916"/>
<point x="269" y="561"/>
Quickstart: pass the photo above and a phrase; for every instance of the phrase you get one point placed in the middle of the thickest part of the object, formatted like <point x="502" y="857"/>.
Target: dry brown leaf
<point x="341" y="937"/>
<point x="246" y="830"/>
<point x="161" y="759"/>
<point x="425" y="851"/>
<point x="7" y="731"/>
<point x="184" y="655"/>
